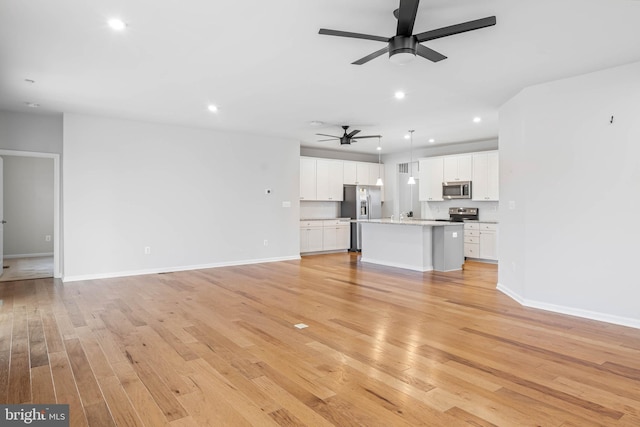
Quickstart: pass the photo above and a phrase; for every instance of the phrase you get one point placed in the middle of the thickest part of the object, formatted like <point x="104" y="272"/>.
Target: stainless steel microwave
<point x="456" y="190"/>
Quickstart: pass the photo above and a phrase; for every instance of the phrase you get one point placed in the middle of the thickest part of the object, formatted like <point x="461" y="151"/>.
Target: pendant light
<point x="379" y="180"/>
<point x="411" y="180"/>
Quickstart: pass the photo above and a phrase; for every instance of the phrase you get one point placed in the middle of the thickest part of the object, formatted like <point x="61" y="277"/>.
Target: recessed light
<point x="477" y="119"/>
<point x="212" y="108"/>
<point x="407" y="136"/>
<point x="378" y="148"/>
<point x="315" y="123"/>
<point x="117" y="24"/>
<point x="32" y="104"/>
<point x="431" y="140"/>
<point x="399" y="94"/>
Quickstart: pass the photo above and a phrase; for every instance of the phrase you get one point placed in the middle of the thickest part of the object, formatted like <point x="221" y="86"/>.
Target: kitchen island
<point x="418" y="245"/>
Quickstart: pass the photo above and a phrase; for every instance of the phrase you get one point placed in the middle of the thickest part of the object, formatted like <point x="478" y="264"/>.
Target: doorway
<point x="31" y="242"/>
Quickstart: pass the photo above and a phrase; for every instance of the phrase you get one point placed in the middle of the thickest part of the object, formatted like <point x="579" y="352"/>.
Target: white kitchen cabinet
<point x="430" y="176"/>
<point x="324" y="235"/>
<point x="350" y="173"/>
<point x="480" y="241"/>
<point x="335" y="235"/>
<point x="458" y="168"/>
<point x="329" y="178"/>
<point x="485" y="177"/>
<point x="311" y="235"/>
<point x="488" y="241"/>
<point x="472" y="240"/>
<point x="361" y="173"/>
<point x="375" y="172"/>
<point x="307" y="178"/>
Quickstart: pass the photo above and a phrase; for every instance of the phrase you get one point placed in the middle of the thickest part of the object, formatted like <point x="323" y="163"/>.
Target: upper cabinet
<point x="485" y="176"/>
<point x="430" y="174"/>
<point x="329" y="175"/>
<point x="350" y="173"/>
<point x="307" y="178"/>
<point x="323" y="179"/>
<point x="457" y="168"/>
<point x="479" y="168"/>
<point x="360" y="173"/>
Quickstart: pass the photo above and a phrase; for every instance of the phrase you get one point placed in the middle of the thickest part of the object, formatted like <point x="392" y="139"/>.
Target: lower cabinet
<point x="324" y="235"/>
<point x="488" y="241"/>
<point x="480" y="241"/>
<point x="311" y="236"/>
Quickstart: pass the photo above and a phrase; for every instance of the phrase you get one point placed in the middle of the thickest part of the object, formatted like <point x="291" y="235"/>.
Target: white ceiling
<point x="269" y="72"/>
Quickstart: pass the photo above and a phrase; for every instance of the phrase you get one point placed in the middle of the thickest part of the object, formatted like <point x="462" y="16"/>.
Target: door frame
<point x="57" y="217"/>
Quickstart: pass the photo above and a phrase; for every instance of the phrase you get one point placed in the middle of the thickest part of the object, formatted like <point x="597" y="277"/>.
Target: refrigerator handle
<point x="368" y="206"/>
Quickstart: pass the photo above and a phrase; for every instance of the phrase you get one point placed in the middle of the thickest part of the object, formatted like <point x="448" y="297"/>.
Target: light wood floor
<point x="27" y="268"/>
<point x="383" y="347"/>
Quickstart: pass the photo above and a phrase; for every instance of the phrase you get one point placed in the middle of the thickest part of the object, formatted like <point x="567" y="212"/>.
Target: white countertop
<point x="422" y="222"/>
<point x="325" y="219"/>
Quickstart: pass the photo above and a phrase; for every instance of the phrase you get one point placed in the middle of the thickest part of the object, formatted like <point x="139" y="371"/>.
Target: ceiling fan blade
<point x="332" y="139"/>
<point x="456" y="29"/>
<point x="369" y="136"/>
<point x="371" y="56"/>
<point x="430" y="54"/>
<point x="331" y="136"/>
<point x="352" y="35"/>
<point x="407" y="17"/>
<point x="352" y="133"/>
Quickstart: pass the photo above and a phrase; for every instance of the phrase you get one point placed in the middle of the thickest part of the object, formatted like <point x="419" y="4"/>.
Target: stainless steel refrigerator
<point x="360" y="203"/>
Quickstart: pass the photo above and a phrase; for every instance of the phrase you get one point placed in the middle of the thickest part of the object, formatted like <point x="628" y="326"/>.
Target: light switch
<point x="454" y="234"/>
<point x="286" y="204"/>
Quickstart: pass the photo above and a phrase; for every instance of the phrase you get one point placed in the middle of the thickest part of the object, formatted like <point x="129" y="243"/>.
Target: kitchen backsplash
<point x="319" y="210"/>
<point x="488" y="211"/>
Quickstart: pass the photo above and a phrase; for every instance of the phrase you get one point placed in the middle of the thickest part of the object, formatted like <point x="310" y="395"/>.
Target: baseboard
<point x="396" y="265"/>
<point x="77" y="278"/>
<point x="571" y="311"/>
<point x="28" y="255"/>
<point x="485" y="260"/>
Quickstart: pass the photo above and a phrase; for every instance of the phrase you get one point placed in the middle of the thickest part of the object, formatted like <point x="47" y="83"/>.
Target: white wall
<point x="196" y="197"/>
<point x="30" y="132"/>
<point x="28" y="206"/>
<point x="573" y="177"/>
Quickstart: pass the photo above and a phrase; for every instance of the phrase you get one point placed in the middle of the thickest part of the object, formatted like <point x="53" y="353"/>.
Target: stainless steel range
<point x="460" y="214"/>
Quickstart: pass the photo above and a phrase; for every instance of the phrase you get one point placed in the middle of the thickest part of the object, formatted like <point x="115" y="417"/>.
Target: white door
<point x="2" y="221"/>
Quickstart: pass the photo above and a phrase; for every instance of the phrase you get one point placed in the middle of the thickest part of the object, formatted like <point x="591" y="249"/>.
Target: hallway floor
<point x="27" y="268"/>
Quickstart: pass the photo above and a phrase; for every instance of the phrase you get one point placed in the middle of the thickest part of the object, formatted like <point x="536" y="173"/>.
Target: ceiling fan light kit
<point x="405" y="46"/>
<point x="346" y="138"/>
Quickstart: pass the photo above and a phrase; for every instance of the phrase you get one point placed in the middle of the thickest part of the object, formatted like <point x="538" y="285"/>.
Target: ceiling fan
<point x="346" y="138"/>
<point x="405" y="45"/>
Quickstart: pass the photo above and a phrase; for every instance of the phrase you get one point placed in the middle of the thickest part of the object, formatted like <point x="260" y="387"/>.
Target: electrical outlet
<point x="47" y="238"/>
<point x="266" y="242"/>
<point x="147" y="250"/>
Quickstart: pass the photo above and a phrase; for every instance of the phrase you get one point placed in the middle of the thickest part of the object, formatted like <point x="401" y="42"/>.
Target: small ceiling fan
<point x="346" y="138"/>
<point x="405" y="45"/>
